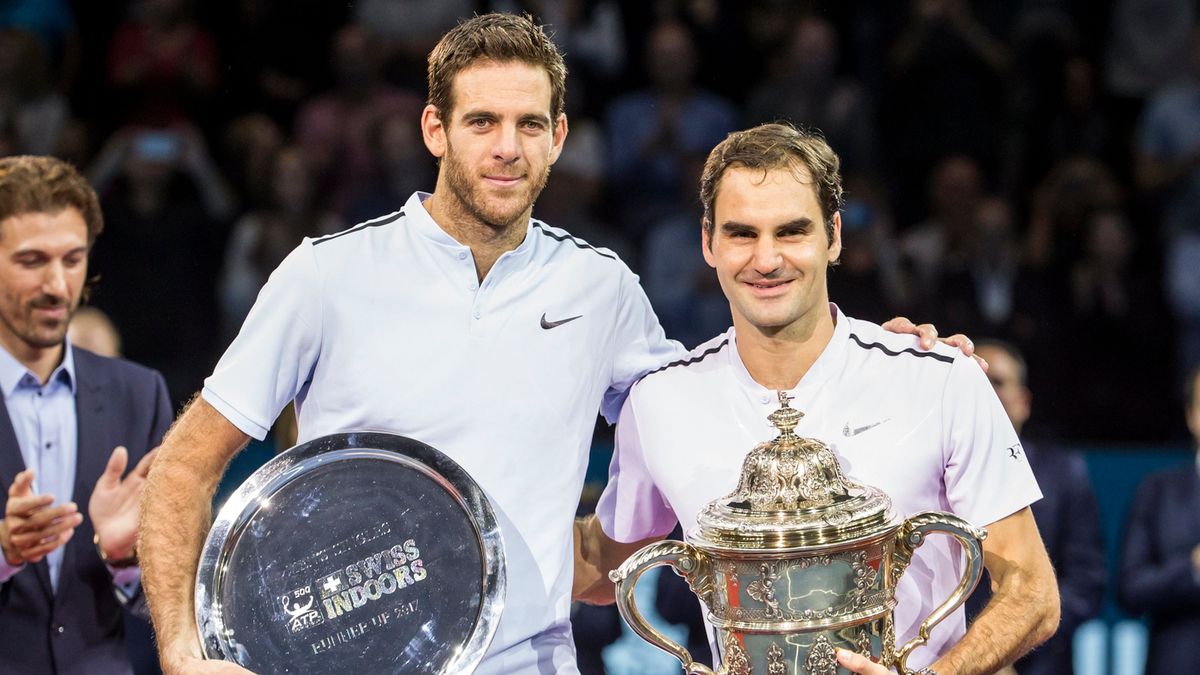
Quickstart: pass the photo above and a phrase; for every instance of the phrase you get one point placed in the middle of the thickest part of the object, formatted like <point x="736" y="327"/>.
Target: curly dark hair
<point x="31" y="184"/>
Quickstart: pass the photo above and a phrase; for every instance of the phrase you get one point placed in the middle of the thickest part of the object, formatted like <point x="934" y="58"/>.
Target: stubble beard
<point x="39" y="334"/>
<point x="472" y="202"/>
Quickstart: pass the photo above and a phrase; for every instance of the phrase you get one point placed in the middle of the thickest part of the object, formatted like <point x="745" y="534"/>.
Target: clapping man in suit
<point x="70" y="425"/>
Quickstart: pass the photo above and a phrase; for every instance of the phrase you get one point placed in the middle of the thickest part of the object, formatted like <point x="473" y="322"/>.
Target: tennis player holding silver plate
<point x="353" y="553"/>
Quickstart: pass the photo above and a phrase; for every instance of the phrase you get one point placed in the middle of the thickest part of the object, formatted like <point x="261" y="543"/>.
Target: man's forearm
<point x="1023" y="613"/>
<point x="175" y="514"/>
<point x="595" y="556"/>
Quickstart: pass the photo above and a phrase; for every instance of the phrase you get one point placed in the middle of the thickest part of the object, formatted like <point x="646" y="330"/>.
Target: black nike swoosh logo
<point x="555" y="324"/>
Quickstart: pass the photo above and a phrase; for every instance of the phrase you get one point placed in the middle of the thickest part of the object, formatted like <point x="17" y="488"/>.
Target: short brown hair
<point x="775" y="146"/>
<point x="30" y="184"/>
<point x="500" y="38"/>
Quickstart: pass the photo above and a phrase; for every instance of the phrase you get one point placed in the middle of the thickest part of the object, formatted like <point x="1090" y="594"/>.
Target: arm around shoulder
<point x="175" y="514"/>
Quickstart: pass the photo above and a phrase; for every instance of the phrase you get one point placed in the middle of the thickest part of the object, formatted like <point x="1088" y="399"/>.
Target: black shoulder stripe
<point x="359" y="228"/>
<point x="695" y="359"/>
<point x="579" y="243"/>
<point x="910" y="350"/>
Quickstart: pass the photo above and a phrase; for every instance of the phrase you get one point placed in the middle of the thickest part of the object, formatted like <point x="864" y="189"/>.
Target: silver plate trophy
<point x="353" y="553"/>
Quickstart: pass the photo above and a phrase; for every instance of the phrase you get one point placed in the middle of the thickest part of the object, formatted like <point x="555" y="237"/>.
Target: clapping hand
<point x="31" y="527"/>
<point x="113" y="507"/>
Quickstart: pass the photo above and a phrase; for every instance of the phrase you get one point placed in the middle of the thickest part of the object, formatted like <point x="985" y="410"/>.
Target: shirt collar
<point x="826" y="364"/>
<point x="420" y="220"/>
<point x="12" y="371"/>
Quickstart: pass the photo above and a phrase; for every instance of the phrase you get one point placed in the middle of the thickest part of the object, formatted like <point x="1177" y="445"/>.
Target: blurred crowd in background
<point x="1025" y="170"/>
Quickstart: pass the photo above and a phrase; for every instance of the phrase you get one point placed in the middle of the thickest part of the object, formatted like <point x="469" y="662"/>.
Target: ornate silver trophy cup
<point x="796" y="562"/>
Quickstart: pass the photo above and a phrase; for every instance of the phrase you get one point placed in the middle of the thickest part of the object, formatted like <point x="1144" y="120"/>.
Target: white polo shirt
<point x="384" y="326"/>
<point x="925" y="427"/>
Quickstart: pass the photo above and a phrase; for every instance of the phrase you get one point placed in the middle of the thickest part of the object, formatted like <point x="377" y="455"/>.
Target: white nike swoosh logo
<point x="848" y="432"/>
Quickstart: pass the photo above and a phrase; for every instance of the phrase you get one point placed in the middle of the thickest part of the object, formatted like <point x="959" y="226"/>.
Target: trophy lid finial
<point x="786" y="417"/>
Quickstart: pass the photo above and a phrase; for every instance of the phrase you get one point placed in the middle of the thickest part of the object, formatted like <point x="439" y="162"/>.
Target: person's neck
<point x="41" y="361"/>
<point x="779" y="358"/>
<point x="487" y="242"/>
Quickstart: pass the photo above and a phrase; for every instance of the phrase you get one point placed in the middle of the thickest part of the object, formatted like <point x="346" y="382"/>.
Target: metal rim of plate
<point x="239" y="510"/>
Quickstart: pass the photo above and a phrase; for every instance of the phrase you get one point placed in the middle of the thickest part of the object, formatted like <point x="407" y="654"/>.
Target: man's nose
<point x="55" y="281"/>
<point x="507" y="148"/>
<point x="767" y="257"/>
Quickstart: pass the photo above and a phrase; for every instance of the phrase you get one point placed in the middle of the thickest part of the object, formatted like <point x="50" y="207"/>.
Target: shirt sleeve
<point x="8" y="571"/>
<point x="274" y="354"/>
<point x="631" y="507"/>
<point x="639" y="345"/>
<point x="987" y="474"/>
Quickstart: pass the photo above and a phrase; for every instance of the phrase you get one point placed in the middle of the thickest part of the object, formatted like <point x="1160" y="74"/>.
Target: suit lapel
<point x="12" y="464"/>
<point x="90" y="457"/>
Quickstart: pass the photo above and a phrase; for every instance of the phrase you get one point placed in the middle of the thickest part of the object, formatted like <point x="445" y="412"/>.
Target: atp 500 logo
<point x="299" y="608"/>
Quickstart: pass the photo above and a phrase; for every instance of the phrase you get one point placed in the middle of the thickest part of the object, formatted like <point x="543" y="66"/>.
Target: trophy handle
<point x="689" y="563"/>
<point x="908" y="538"/>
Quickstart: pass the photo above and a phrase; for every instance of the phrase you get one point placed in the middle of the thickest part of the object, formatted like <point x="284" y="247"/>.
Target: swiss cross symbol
<point x="332" y="584"/>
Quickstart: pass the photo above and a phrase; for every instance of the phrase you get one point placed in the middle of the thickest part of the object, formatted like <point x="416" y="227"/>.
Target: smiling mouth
<point x="768" y="285"/>
<point x="503" y="180"/>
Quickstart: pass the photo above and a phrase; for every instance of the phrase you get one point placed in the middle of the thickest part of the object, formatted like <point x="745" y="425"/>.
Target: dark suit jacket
<point x="1068" y="519"/>
<point x="79" y="629"/>
<point x="1156" y="570"/>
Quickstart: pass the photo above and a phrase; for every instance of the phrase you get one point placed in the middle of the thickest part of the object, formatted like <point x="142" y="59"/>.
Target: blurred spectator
<point x="804" y="87"/>
<point x="162" y="64"/>
<point x="867" y="281"/>
<point x="334" y="128"/>
<point x="404" y="32"/>
<point x="947" y="90"/>
<point x="53" y="25"/>
<point x="261" y="239"/>
<point x="1067" y="516"/>
<point x="248" y="147"/>
<point x="652" y="132"/>
<point x="274" y="54"/>
<point x="402" y="166"/>
<point x="1168" y="167"/>
<point x="1149" y="41"/>
<point x="954" y="192"/>
<point x="989" y="290"/>
<point x="1060" y="206"/>
<point x="92" y="329"/>
<point x="29" y="104"/>
<point x="573" y="200"/>
<point x="166" y="210"/>
<point x="1079" y="127"/>
<point x="1111" y="304"/>
<point x="1160" y="555"/>
<point x="1053" y="104"/>
<point x="681" y="286"/>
